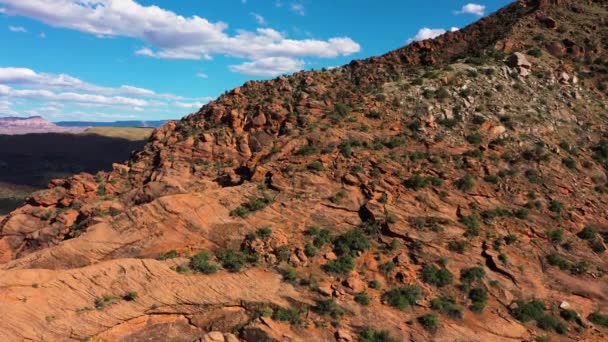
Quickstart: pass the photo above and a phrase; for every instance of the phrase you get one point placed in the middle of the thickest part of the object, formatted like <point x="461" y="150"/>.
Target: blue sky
<point x="106" y="60"/>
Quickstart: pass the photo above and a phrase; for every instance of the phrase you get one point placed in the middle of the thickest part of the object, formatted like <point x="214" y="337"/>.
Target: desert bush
<point x="403" y="297"/>
<point x="447" y="306"/>
<point x="430" y="322"/>
<point x="433" y="275"/>
<point x="329" y="308"/>
<point x="351" y="242"/>
<point x="362" y="298"/>
<point x="342" y="265"/>
<point x="465" y="183"/>
<point x="201" y="263"/>
<point x="528" y="311"/>
<point x="370" y="335"/>
<point x="231" y="260"/>
<point x="599" y="319"/>
<point x="472" y="274"/>
<point x="287" y="315"/>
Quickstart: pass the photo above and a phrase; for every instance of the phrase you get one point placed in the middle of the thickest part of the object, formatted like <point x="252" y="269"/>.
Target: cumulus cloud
<point x="47" y="90"/>
<point x="31" y="78"/>
<point x="258" y="18"/>
<point x="429" y="33"/>
<point x="19" y="29"/>
<point x="172" y="36"/>
<point x="298" y="8"/>
<point x="201" y="75"/>
<point x="475" y="9"/>
<point x="269" y="66"/>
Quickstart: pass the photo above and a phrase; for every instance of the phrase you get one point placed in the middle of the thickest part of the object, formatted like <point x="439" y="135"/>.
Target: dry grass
<point x="129" y="133"/>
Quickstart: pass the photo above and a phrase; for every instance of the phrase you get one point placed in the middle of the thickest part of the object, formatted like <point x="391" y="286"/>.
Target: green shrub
<point x="342" y="265"/>
<point x="417" y="182"/>
<point x="172" y="254"/>
<point x="588" y="233"/>
<point x="321" y="236"/>
<point x="555" y="235"/>
<point x="555" y="259"/>
<point x="254" y="204"/>
<point x="329" y="308"/>
<point x="351" y="242"/>
<point x="533" y="176"/>
<point x="106" y="300"/>
<point x="387" y="267"/>
<point x="569" y="315"/>
<point x="548" y="322"/>
<point x="472" y="274"/>
<point x="510" y="239"/>
<point x="287" y="315"/>
<point x="597" y="246"/>
<point x="535" y="52"/>
<point x="474" y="139"/>
<point x="338" y="197"/>
<point x="231" y="260"/>
<point x="362" y="298"/>
<point x="479" y="297"/>
<point x="264" y="232"/>
<point x="529" y="311"/>
<point x="315" y="166"/>
<point x="599" y="319"/>
<point x="307" y="150"/>
<point x="556" y="207"/>
<point x="130" y="296"/>
<point x="374" y="284"/>
<point x="282" y="253"/>
<point x="430" y="322"/>
<point x="472" y="224"/>
<point x="465" y="183"/>
<point x="402" y="297"/>
<point x="289" y="273"/>
<point x="439" y="277"/>
<point x="310" y="250"/>
<point x="457" y="246"/>
<point x="370" y="335"/>
<point x="447" y="306"/>
<point x="200" y="263"/>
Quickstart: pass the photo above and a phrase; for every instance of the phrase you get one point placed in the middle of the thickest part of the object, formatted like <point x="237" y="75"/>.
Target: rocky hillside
<point x="454" y="189"/>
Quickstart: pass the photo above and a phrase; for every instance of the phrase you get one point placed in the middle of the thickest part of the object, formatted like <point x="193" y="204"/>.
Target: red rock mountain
<point x="454" y="189"/>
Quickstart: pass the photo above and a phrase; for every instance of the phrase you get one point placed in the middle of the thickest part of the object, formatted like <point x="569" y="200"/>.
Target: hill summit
<point x="453" y="189"/>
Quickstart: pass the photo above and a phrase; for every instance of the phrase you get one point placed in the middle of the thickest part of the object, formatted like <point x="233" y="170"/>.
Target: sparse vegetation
<point x="402" y="297"/>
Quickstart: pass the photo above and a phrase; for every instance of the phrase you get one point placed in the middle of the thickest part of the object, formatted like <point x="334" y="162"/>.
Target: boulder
<point x="520" y="63"/>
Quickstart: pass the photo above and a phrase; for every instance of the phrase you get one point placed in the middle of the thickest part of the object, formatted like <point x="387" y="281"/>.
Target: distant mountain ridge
<point x="34" y="124"/>
<point x="13" y="125"/>
<point x="130" y="123"/>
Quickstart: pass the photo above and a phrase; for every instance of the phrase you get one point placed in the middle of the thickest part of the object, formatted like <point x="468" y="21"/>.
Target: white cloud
<point x="426" y="33"/>
<point x="475" y="9"/>
<point x="201" y="75"/>
<point x="259" y="19"/>
<point x="31" y="78"/>
<point x="172" y="36"/>
<point x="59" y="93"/>
<point x="19" y="29"/>
<point x="2" y="10"/>
<point x="186" y="105"/>
<point x="269" y="66"/>
<point x="298" y="8"/>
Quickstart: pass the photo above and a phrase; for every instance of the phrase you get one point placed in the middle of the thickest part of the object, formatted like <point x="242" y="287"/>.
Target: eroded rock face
<point x="315" y="195"/>
<point x="520" y="63"/>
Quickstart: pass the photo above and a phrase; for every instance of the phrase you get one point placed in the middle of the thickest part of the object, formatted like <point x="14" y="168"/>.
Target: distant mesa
<point x="37" y="124"/>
